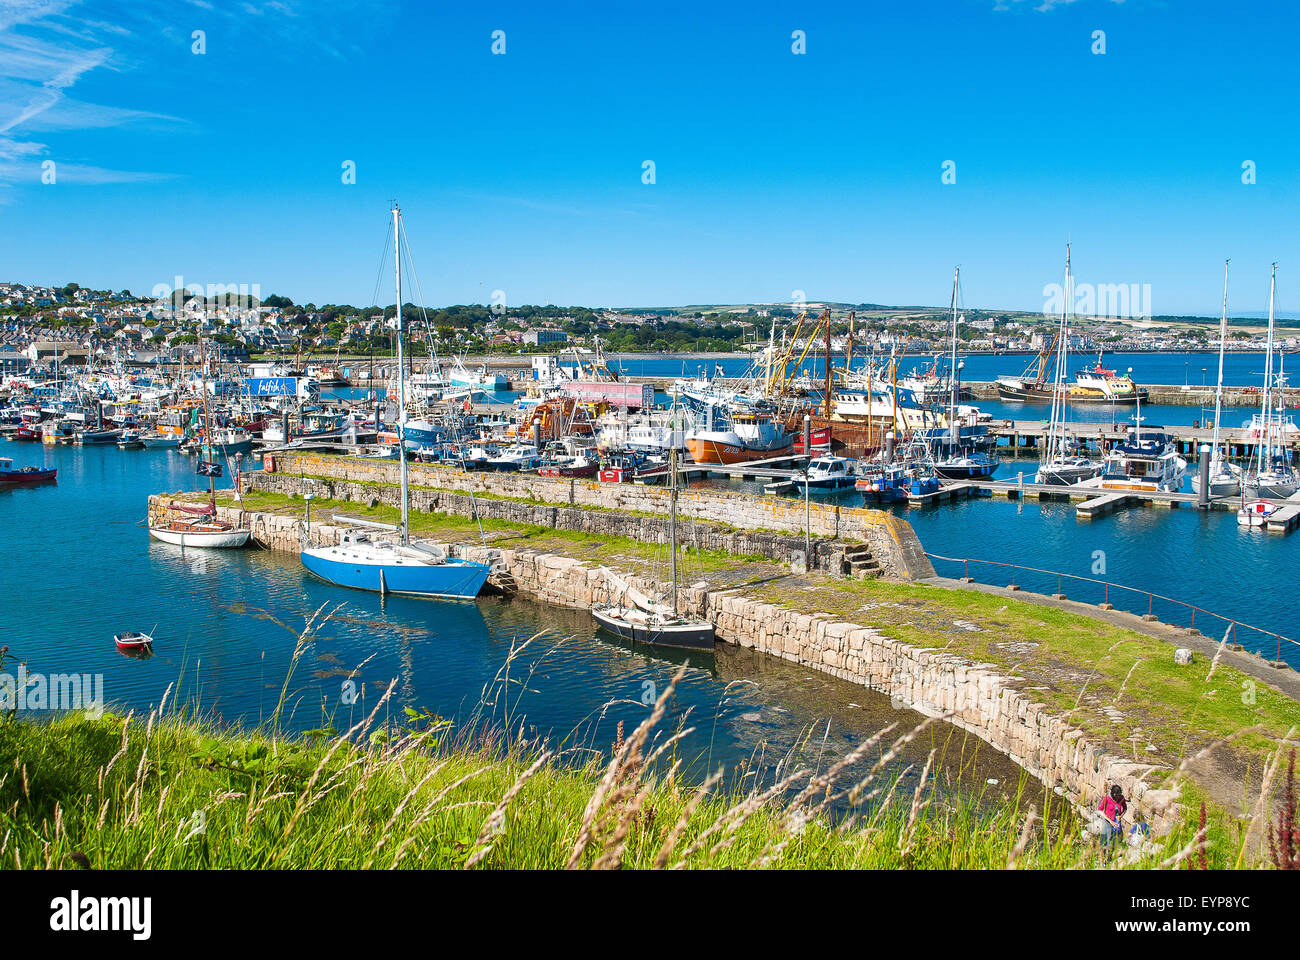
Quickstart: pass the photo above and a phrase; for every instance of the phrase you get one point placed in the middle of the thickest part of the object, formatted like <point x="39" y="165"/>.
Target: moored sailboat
<point x="1271" y="473"/>
<point x="1224" y="477"/>
<point x="638" y="617"/>
<point x="1057" y="465"/>
<point x="189" y="526"/>
<point x="399" y="565"/>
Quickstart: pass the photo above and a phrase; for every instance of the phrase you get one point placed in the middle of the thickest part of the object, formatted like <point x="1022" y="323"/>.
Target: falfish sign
<point x="271" y="386"/>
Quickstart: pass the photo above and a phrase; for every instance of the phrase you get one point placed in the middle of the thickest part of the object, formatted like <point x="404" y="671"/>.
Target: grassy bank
<point x="505" y="533"/>
<point x="167" y="792"/>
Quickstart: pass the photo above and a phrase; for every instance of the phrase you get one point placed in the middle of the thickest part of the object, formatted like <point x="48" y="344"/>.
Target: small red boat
<point x="27" y="431"/>
<point x="133" y="641"/>
<point x="577" y="467"/>
<point x="25" y="474"/>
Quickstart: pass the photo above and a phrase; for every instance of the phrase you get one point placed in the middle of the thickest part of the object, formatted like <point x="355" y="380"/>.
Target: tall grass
<point x="175" y="790"/>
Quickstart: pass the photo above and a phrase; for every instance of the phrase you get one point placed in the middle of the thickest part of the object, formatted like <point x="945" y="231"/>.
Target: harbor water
<point x="227" y="622"/>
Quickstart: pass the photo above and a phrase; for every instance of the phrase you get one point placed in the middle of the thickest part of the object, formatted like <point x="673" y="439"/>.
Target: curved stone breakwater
<point x="973" y="696"/>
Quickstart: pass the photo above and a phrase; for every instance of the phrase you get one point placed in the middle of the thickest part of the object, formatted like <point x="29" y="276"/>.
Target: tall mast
<point x="1264" y="457"/>
<point x="1223" y="340"/>
<point x="207" y="420"/>
<point x="1058" y="385"/>
<point x="401" y="375"/>
<point x="672" y="500"/>
<point x="954" y="431"/>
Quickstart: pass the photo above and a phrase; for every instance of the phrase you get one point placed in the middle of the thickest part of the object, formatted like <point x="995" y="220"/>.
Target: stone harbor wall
<point x="972" y="696"/>
<point x="893" y="544"/>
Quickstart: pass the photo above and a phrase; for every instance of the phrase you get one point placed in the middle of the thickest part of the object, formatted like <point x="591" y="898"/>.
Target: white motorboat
<point x="517" y="456"/>
<point x="1144" y="460"/>
<point x="828" y="473"/>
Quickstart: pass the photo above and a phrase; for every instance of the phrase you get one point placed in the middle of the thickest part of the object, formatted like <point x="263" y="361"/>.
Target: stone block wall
<point x="891" y="540"/>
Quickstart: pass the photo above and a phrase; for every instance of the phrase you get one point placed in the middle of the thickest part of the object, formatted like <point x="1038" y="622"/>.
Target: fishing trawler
<point x="1097" y="384"/>
<point x="1094" y="384"/>
<point x="752" y="436"/>
<point x="11" y="475"/>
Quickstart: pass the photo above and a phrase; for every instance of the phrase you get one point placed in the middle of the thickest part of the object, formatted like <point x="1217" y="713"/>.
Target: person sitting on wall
<point x="1112" y="807"/>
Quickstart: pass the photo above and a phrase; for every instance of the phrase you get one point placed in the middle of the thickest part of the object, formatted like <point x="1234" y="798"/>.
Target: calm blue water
<point x="1200" y="558"/>
<point x="82" y="567"/>
<point x="1239" y="369"/>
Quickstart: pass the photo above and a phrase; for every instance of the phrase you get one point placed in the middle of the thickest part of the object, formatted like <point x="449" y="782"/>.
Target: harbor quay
<point x="845" y="591"/>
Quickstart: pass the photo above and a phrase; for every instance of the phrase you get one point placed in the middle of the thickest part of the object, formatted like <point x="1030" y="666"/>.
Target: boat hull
<point x="975" y="471"/>
<point x="1263" y="487"/>
<point x="706" y="451"/>
<point x="1065" y="474"/>
<point x="453" y="580"/>
<point x="553" y="471"/>
<point x="16" y="478"/>
<point x="1029" y="393"/>
<point x="205" y="539"/>
<point x="1220" y="486"/>
<point x="685" y="636"/>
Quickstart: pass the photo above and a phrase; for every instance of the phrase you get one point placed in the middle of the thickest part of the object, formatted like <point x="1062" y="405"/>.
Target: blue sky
<point x="774" y="172"/>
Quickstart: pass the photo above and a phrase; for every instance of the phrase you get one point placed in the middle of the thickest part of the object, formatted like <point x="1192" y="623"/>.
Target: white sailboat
<point x="1225" y="477"/>
<point x="1270" y="473"/>
<point x="188" y="526"/>
<point x="959" y="463"/>
<point x="1057" y="465"/>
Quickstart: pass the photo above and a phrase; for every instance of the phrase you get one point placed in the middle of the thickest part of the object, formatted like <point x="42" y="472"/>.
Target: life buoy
<point x="468" y="406"/>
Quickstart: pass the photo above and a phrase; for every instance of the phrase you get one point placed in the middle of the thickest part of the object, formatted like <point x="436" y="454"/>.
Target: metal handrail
<point x="1151" y="597"/>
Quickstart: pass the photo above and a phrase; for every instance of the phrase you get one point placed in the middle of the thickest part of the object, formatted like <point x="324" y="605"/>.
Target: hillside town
<point x="81" y="325"/>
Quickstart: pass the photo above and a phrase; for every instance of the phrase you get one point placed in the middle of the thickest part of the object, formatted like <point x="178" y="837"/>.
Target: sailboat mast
<point x="672" y="504"/>
<point x="207" y="420"/>
<point x="826" y="401"/>
<point x="1264" y="449"/>
<point x="954" y="431"/>
<point x="1223" y="341"/>
<point x="401" y="375"/>
<point x="1056" y="428"/>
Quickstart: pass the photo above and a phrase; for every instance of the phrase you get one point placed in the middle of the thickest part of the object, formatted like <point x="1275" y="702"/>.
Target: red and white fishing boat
<point x="1255" y="513"/>
<point x="619" y="469"/>
<point x="753" y="436"/>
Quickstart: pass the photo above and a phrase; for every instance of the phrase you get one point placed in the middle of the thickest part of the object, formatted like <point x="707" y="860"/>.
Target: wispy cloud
<point x="1042" y="6"/>
<point x="44" y="52"/>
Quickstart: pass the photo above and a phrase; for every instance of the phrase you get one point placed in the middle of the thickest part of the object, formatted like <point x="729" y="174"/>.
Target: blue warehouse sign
<point x="271" y="386"/>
